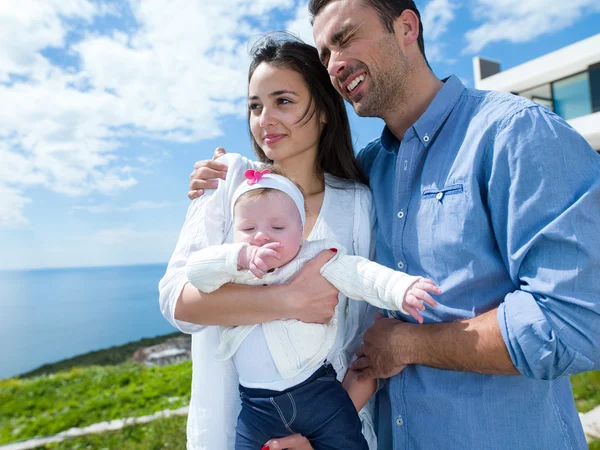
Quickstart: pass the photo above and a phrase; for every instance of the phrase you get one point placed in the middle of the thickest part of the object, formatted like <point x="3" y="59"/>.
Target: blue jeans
<point x="319" y="409"/>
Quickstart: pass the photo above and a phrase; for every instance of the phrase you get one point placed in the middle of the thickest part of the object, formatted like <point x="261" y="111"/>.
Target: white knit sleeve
<point x="210" y="268"/>
<point x="207" y="223"/>
<point x="357" y="277"/>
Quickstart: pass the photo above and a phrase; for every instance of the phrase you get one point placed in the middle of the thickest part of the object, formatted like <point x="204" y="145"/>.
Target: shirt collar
<point x="427" y="126"/>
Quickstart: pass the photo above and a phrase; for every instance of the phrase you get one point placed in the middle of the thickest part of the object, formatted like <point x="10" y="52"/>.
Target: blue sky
<point x="105" y="105"/>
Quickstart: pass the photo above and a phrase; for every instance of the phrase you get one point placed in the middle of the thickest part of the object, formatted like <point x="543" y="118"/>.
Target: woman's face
<point x="278" y="99"/>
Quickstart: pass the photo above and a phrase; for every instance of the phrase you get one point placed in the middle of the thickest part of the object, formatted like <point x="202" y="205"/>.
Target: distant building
<point x="567" y="81"/>
<point x="172" y="351"/>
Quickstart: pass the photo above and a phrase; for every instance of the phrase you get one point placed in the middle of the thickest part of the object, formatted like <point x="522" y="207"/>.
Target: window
<point x="572" y="96"/>
<point x="595" y="86"/>
<point x="540" y="94"/>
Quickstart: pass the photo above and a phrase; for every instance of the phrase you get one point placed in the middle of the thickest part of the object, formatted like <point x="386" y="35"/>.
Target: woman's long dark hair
<point x="335" y="154"/>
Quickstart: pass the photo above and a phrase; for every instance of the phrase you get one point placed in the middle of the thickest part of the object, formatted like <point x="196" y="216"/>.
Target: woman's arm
<point x="359" y="391"/>
<point x="307" y="297"/>
<point x="207" y="223"/>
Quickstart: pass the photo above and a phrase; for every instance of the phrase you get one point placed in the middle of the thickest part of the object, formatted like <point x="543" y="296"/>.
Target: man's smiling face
<point x="366" y="62"/>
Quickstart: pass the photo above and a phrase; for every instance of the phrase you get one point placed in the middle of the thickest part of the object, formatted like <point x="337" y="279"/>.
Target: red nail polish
<point x="334" y="250"/>
<point x="265" y="447"/>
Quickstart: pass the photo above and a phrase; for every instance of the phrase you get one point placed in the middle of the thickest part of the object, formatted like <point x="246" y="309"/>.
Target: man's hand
<point x="377" y="354"/>
<point x="293" y="442"/>
<point x="206" y="173"/>
<point x="311" y="298"/>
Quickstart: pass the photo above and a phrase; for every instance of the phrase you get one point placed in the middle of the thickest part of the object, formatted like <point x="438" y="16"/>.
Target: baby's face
<point x="272" y="217"/>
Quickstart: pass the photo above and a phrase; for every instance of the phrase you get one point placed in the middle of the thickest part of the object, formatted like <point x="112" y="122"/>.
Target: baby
<point x="286" y="384"/>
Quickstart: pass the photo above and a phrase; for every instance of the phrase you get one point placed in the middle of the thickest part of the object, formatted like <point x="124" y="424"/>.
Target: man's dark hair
<point x="335" y="154"/>
<point x="387" y="10"/>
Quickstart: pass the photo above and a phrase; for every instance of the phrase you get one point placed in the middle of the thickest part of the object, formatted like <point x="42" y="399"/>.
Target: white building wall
<point x="554" y="66"/>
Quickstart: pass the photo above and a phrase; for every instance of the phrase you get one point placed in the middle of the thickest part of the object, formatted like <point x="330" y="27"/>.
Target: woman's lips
<point x="272" y="138"/>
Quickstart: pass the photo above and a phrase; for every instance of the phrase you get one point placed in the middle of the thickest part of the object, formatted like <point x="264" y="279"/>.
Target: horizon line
<point x="103" y="266"/>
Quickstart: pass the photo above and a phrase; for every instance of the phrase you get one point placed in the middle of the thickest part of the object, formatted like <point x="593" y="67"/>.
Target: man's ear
<point x="406" y="27"/>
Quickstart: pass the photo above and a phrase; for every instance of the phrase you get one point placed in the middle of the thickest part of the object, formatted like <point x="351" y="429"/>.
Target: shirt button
<point x="400" y="265"/>
<point x="399" y="421"/>
<point x="439" y="195"/>
<point x="426" y="138"/>
<point x="400" y="214"/>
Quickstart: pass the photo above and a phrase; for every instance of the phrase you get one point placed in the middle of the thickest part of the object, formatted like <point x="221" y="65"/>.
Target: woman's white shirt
<point x="346" y="216"/>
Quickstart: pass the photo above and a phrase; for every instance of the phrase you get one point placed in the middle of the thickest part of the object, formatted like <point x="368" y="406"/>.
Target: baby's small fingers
<point x="429" y="299"/>
<point x="256" y="271"/>
<point x="423" y="296"/>
<point x="267" y="252"/>
<point x="428" y="285"/>
<point x="273" y="245"/>
<point x="260" y="264"/>
<point x="414" y="302"/>
<point x="413" y="312"/>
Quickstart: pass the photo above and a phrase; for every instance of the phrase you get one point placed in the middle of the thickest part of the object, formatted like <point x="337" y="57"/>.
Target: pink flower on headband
<point x="254" y="176"/>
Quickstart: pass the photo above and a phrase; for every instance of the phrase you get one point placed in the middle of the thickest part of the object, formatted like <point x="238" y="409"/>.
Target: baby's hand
<point x="259" y="260"/>
<point x="417" y="295"/>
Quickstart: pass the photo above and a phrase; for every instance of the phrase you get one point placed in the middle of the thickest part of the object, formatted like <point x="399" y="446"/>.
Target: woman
<point x="297" y="122"/>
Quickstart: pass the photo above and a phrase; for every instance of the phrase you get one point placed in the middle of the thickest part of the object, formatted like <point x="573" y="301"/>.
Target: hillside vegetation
<point x="107" y="385"/>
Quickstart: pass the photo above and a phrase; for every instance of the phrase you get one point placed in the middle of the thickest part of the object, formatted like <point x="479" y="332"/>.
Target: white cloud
<point x="12" y="206"/>
<point x="172" y="77"/>
<point x="522" y="21"/>
<point x="300" y="24"/>
<point x="111" y="208"/>
<point x="437" y="15"/>
<point x="28" y="26"/>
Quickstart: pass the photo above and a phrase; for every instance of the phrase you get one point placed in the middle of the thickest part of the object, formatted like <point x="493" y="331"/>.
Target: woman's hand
<point x="206" y="173"/>
<point x="293" y="442"/>
<point x="310" y="297"/>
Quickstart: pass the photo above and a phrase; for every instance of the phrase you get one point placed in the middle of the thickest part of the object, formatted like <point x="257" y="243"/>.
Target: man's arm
<point x="473" y="345"/>
<point x="546" y="227"/>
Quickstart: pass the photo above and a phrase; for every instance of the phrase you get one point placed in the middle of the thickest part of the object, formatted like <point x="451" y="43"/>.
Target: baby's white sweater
<point x="296" y="346"/>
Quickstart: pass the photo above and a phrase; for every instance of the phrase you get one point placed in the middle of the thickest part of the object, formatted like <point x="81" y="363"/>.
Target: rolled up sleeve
<point x="544" y="199"/>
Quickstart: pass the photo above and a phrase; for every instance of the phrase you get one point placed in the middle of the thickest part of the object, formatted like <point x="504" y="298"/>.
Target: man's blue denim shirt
<point x="497" y="200"/>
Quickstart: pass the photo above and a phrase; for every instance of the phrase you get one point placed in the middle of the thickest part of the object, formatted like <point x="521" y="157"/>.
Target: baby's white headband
<point x="264" y="179"/>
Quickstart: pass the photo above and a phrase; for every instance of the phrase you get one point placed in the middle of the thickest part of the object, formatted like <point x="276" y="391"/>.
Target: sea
<point x="52" y="314"/>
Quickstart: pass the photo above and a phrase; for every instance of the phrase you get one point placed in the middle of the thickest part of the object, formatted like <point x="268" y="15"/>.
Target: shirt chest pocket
<point x="444" y="193"/>
<point x="444" y="208"/>
<point x="442" y="224"/>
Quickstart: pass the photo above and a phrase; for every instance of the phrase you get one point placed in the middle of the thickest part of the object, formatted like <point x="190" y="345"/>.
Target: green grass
<point x="586" y="390"/>
<point x="161" y="434"/>
<point x="106" y="357"/>
<point x="105" y="385"/>
<point x="49" y="404"/>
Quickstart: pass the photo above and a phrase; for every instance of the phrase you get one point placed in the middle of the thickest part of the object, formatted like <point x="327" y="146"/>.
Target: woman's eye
<point x="247" y="229"/>
<point x="279" y="228"/>
<point x="283" y="101"/>
<point x="253" y="106"/>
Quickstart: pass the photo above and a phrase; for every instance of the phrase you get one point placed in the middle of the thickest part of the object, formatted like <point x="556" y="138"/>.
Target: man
<point x="497" y="200"/>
